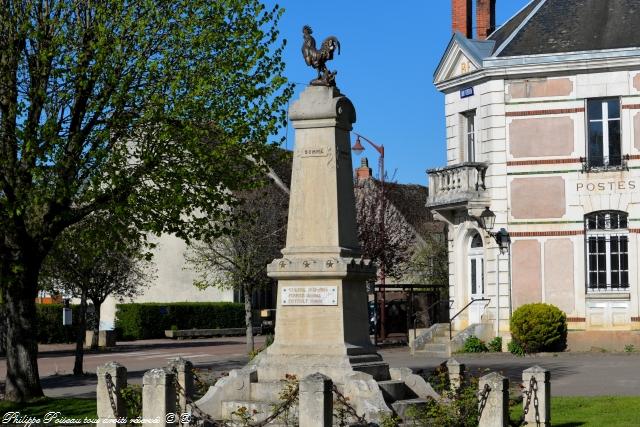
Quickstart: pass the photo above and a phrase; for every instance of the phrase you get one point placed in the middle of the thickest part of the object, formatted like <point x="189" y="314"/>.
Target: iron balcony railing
<point x="456" y="184"/>
<point x="607" y="287"/>
<point x="604" y="163"/>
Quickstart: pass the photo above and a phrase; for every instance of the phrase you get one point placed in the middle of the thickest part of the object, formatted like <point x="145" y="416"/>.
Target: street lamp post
<point x="358" y="148"/>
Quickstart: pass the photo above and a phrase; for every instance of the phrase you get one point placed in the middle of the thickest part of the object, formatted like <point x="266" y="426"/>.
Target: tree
<point x="145" y="108"/>
<point x="239" y="260"/>
<point x="92" y="260"/>
<point x="429" y="264"/>
<point x="385" y="236"/>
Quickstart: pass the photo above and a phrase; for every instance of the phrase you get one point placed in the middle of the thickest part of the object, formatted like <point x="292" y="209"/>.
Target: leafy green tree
<point x="149" y="109"/>
<point x="92" y="260"/>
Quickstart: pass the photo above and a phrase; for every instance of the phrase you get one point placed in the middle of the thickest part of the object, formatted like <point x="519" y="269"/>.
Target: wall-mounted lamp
<point x="486" y="221"/>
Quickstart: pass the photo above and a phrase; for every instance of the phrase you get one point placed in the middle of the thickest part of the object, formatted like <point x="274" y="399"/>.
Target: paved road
<point x="573" y="374"/>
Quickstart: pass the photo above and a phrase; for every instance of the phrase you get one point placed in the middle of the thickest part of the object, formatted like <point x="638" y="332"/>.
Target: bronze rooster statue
<point x="318" y="58"/>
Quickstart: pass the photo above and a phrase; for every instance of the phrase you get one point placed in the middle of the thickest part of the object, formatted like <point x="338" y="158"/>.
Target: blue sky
<point x="390" y="50"/>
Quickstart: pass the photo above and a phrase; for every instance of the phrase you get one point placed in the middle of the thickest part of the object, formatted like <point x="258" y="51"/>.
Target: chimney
<point x="364" y="171"/>
<point x="462" y="22"/>
<point x="485" y="18"/>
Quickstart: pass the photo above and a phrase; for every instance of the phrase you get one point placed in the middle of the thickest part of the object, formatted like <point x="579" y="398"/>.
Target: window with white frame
<point x="607" y="246"/>
<point x="469" y="135"/>
<point x="603" y="127"/>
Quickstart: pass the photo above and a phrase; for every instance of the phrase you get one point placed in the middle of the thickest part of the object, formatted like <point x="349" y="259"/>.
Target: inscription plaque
<point x="309" y="295"/>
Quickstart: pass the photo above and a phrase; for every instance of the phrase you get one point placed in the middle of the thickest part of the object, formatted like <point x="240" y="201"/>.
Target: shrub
<point x="539" y="327"/>
<point x="150" y="320"/>
<point x="474" y="344"/>
<point x="514" y="347"/>
<point x="495" y="344"/>
<point x="132" y="396"/>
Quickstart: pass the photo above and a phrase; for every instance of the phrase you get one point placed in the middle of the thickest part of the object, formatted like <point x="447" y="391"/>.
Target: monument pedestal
<point x="321" y="318"/>
<point x="322" y="321"/>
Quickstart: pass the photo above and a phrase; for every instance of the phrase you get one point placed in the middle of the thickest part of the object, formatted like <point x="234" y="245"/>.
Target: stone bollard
<point x="456" y="373"/>
<point x="159" y="398"/>
<point x="493" y="401"/>
<point x="112" y="377"/>
<point x="315" y="408"/>
<point x="536" y="401"/>
<point x="184" y="371"/>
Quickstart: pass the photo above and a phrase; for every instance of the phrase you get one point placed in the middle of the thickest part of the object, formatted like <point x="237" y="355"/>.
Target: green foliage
<point x="68" y="407"/>
<point x="514" y="347"/>
<point x="98" y="257"/>
<point x="243" y="417"/>
<point x="629" y="348"/>
<point x="454" y="409"/>
<point x="150" y="320"/>
<point x="152" y="111"/>
<point x="132" y="396"/>
<point x="390" y="420"/>
<point x="50" y="329"/>
<point x="539" y="327"/>
<point x="495" y="345"/>
<point x="474" y="344"/>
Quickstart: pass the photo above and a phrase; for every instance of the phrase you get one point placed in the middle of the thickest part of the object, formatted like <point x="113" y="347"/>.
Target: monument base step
<point x="365" y="358"/>
<point x="394" y="390"/>
<point x="378" y="370"/>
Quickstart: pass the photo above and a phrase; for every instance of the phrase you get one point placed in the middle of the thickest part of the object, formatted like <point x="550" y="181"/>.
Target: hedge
<point x="150" y="320"/>
<point x="49" y="327"/>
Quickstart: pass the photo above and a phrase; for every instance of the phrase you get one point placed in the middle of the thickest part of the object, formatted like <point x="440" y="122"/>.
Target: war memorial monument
<point x="322" y="321"/>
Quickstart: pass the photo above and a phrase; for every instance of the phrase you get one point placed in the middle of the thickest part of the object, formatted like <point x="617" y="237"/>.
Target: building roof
<point x="560" y="26"/>
<point x="410" y="200"/>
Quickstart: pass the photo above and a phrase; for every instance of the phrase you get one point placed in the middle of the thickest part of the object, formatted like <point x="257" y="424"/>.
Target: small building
<point x="543" y="137"/>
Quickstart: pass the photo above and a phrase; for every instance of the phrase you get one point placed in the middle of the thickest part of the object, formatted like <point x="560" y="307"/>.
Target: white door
<point x="476" y="279"/>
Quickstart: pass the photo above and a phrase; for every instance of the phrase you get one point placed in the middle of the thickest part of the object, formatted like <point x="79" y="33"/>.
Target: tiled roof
<point x="559" y="26"/>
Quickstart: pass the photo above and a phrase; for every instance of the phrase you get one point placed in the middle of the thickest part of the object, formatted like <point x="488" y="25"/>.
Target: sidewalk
<point x="572" y="374"/>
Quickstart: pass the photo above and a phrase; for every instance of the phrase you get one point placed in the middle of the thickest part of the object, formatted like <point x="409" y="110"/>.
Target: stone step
<point x="365" y="358"/>
<point x="394" y="390"/>
<point x="379" y="370"/>
<point x="401" y="406"/>
<point x="441" y="339"/>
<point x="259" y="410"/>
<point x="435" y="350"/>
<point x="436" y="347"/>
<point x="266" y="391"/>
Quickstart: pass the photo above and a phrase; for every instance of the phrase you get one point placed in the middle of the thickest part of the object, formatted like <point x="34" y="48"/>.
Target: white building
<point x="173" y="281"/>
<point x="543" y="130"/>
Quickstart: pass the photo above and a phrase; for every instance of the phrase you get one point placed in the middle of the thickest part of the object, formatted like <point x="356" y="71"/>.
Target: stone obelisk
<point x="321" y="316"/>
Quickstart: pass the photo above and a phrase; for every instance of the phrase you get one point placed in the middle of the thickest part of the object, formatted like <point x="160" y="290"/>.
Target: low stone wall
<point x="167" y="398"/>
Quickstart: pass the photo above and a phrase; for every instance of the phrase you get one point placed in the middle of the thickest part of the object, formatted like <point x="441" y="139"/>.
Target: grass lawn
<point x="68" y="408"/>
<point x="609" y="411"/>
